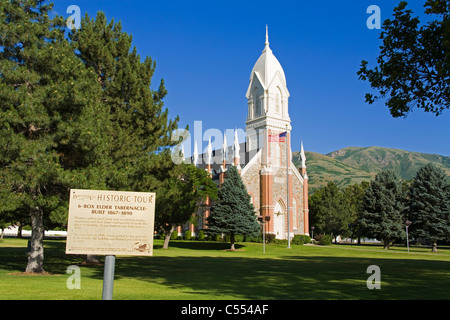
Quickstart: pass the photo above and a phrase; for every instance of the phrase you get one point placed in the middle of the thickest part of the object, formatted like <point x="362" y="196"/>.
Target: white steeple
<point x="224" y="148"/>
<point x="266" y="68"/>
<point x="236" y="147"/>
<point x="209" y="152"/>
<point x="302" y="157"/>
<point x="195" y="155"/>
<point x="183" y="158"/>
<point x="268" y="97"/>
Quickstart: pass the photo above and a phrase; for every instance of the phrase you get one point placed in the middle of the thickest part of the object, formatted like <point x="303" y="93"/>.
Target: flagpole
<point x="287" y="192"/>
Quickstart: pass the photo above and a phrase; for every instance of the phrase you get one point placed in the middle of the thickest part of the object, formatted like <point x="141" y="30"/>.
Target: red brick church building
<point x="261" y="159"/>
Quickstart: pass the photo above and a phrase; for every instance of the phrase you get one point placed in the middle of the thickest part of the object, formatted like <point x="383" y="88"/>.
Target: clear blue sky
<point x="205" y="51"/>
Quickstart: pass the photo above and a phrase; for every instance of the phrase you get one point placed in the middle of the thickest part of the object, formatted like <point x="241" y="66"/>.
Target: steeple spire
<point x="267" y="36"/>
<point x="183" y="158"/>
<point x="209" y="152"/>
<point x="236" y="147"/>
<point x="224" y="148"/>
<point x="195" y="155"/>
<point x="302" y="157"/>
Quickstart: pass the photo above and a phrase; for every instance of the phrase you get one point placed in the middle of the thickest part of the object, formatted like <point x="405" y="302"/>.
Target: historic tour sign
<point x="110" y="223"/>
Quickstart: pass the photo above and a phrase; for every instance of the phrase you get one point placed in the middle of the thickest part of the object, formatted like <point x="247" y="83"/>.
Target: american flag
<point x="278" y="137"/>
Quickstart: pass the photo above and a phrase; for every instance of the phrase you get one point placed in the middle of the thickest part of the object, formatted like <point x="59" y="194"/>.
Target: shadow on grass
<point x="15" y="259"/>
<point x="292" y="277"/>
<point x="288" y="277"/>
<point x="200" y="245"/>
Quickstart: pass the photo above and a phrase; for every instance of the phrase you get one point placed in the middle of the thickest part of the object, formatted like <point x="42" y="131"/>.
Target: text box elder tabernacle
<point x="110" y="223"/>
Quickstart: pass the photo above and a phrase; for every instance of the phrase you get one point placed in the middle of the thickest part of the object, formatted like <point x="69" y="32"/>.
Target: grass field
<point x="191" y="270"/>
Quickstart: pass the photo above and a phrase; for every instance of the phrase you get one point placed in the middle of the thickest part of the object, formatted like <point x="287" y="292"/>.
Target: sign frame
<point x="107" y="223"/>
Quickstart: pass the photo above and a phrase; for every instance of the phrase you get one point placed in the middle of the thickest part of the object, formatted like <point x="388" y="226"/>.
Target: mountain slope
<point x="355" y="164"/>
<point x="375" y="159"/>
<point x="322" y="169"/>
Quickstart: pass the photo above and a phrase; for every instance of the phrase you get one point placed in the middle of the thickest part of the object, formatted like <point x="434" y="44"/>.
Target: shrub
<point x="280" y="241"/>
<point x="187" y="235"/>
<point x="301" y="239"/>
<point x="325" y="240"/>
<point x="174" y="235"/>
<point x="269" y="237"/>
<point x="201" y="235"/>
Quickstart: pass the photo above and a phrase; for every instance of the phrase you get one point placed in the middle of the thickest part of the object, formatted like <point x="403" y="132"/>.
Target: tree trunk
<point x="232" y="240"/>
<point x="91" y="259"/>
<point x="36" y="255"/>
<point x="434" y="249"/>
<point x="167" y="235"/>
<point x="386" y="243"/>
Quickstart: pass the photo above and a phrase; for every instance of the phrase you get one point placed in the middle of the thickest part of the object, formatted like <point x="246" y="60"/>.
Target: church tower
<point x="268" y="129"/>
<point x="267" y="96"/>
<point x="278" y="190"/>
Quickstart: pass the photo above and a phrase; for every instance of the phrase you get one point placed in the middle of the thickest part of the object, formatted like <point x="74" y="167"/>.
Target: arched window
<point x="256" y="102"/>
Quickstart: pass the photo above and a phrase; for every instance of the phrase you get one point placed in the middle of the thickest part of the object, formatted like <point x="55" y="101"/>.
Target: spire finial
<point x="267" y="35"/>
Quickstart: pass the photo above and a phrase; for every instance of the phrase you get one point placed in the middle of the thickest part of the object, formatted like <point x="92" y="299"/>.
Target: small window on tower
<point x="258" y="107"/>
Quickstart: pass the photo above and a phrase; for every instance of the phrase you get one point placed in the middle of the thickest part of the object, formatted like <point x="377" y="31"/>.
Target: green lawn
<point x="191" y="270"/>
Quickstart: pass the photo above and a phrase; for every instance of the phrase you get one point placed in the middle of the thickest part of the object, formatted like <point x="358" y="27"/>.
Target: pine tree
<point x="74" y="113"/>
<point x="233" y="213"/>
<point x="429" y="209"/>
<point x="46" y="99"/>
<point x="383" y="208"/>
<point x="139" y="129"/>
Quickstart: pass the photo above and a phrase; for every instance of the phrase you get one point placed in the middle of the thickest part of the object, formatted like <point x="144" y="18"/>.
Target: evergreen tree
<point x="139" y="130"/>
<point x="46" y="98"/>
<point x="233" y="213"/>
<point x="429" y="209"/>
<point x="75" y="113"/>
<point x="383" y="208"/>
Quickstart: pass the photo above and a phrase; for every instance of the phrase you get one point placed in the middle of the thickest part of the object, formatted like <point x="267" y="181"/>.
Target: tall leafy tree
<point x="429" y="209"/>
<point x="414" y="61"/>
<point x="383" y="208"/>
<point x="330" y="210"/>
<point x="233" y="213"/>
<point x="181" y="196"/>
<point x="355" y="195"/>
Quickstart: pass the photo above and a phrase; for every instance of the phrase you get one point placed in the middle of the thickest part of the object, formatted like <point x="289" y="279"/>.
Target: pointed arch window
<point x="256" y="102"/>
